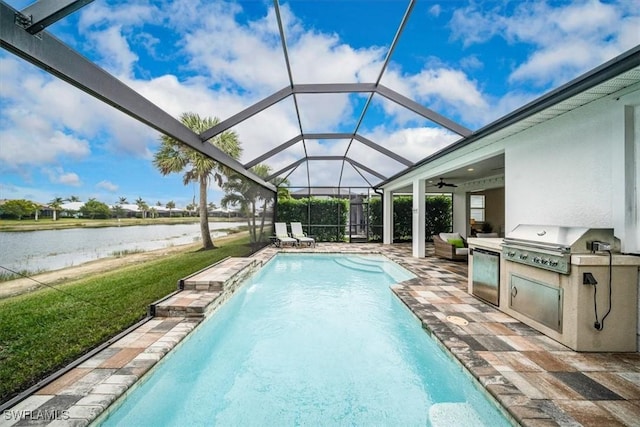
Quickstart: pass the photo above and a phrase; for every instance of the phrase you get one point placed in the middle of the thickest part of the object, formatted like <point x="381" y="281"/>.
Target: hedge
<point x="438" y="216"/>
<point x="328" y="217"/>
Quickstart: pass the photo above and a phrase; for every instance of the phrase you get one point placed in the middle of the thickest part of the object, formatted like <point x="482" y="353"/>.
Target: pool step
<point x="459" y="414"/>
<point x="204" y="291"/>
<point x="359" y="264"/>
<point x="219" y="276"/>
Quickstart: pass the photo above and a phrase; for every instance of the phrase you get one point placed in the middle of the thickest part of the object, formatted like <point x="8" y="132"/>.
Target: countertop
<point x="493" y="243"/>
<point x="603" y="259"/>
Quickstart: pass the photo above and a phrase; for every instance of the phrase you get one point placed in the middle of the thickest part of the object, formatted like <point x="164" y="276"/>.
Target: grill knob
<point x="523" y="256"/>
<point x="537" y="259"/>
<point x="545" y="261"/>
<point x="553" y="263"/>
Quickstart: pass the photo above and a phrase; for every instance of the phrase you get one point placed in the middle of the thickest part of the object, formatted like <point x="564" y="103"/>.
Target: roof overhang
<point x="618" y="74"/>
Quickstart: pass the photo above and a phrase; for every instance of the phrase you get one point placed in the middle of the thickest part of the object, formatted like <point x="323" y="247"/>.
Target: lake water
<point x="47" y="250"/>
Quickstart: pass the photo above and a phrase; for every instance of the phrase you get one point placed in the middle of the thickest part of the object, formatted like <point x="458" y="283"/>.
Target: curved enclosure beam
<point x="334" y="88"/>
<point x="364" y="168"/>
<point x="39" y="15"/>
<point x="246" y="113"/>
<point x="279" y="96"/>
<point x="273" y="151"/>
<point x="324" y="88"/>
<point x="50" y="54"/>
<point x="335" y="158"/>
<point x="423" y="111"/>
<point x="286" y="168"/>
<point x="383" y="150"/>
<point x="299" y="138"/>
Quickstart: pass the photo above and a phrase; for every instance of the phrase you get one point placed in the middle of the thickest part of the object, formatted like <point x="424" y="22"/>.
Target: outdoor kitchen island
<point x="549" y="279"/>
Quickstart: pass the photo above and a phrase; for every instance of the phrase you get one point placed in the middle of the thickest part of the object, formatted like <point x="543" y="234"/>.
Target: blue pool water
<point x="310" y="340"/>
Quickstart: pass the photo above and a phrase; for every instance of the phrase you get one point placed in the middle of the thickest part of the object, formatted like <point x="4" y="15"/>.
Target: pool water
<point x="310" y="340"/>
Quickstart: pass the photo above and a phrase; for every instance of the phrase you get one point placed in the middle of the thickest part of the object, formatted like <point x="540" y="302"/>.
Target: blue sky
<point x="471" y="61"/>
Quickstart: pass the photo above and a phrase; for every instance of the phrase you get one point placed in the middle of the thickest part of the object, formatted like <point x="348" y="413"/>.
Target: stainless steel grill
<point x="550" y="246"/>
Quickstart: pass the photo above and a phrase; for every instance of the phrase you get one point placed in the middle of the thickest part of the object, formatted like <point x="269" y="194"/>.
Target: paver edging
<point x="437" y="330"/>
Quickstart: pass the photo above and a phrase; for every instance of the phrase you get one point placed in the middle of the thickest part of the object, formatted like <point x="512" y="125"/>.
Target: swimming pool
<point x="310" y="339"/>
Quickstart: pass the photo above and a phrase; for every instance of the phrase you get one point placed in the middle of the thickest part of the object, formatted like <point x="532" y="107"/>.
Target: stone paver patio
<point x="537" y="380"/>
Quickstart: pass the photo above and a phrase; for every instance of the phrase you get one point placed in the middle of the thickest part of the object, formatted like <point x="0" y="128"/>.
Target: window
<point x="476" y="204"/>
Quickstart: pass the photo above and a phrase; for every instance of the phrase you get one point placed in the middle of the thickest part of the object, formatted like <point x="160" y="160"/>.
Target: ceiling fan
<point x="444" y="184"/>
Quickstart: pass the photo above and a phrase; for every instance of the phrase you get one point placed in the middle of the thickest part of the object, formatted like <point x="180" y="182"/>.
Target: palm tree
<point x="248" y="195"/>
<point x="55" y="205"/>
<point x="142" y="205"/>
<point x="122" y="200"/>
<point x="73" y="199"/>
<point x="282" y="184"/>
<point x="175" y="157"/>
<point x="170" y="205"/>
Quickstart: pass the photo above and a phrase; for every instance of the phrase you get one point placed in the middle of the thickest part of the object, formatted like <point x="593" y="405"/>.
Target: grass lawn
<point x="44" y="330"/>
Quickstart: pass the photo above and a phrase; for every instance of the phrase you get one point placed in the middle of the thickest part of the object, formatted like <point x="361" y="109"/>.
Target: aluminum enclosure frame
<point x="23" y="34"/>
<point x="52" y="55"/>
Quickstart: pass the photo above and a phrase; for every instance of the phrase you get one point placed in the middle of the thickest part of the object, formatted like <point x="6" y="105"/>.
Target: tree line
<point x="173" y="156"/>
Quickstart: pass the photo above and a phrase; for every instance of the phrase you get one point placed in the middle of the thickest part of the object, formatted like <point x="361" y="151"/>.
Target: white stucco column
<point x="387" y="217"/>
<point x="418" y="218"/>
<point x="460" y="213"/>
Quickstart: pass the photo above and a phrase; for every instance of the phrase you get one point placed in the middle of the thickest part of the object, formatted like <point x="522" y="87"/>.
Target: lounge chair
<point x="450" y="246"/>
<point x="300" y="236"/>
<point x="282" y="237"/>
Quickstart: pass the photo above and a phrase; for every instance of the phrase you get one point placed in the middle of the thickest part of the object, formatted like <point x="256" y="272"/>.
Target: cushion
<point x="447" y="236"/>
<point x="458" y="243"/>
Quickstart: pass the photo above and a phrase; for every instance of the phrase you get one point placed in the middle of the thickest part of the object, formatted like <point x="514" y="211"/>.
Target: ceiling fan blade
<point x="444" y="184"/>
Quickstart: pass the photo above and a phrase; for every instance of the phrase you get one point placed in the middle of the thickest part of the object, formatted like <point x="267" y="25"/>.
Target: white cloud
<point x="567" y="40"/>
<point x="413" y="143"/>
<point x="57" y="175"/>
<point x="100" y="15"/>
<point x="435" y="10"/>
<point x="117" y="56"/>
<point x="475" y="26"/>
<point x="31" y="141"/>
<point x="451" y="85"/>
<point x="108" y="186"/>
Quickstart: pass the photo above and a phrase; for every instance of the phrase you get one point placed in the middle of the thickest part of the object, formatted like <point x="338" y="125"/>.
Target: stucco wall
<point x="564" y="172"/>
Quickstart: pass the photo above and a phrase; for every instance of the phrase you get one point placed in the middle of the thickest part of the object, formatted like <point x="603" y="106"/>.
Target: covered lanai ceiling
<point x="314" y="123"/>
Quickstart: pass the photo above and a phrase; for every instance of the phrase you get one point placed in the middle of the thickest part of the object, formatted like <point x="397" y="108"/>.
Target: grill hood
<point x="561" y="238"/>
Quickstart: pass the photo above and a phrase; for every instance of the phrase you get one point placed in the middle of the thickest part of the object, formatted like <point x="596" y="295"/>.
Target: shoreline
<point x="15" y="287"/>
<point x="68" y="223"/>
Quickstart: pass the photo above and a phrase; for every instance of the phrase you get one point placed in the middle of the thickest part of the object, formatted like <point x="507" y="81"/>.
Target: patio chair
<point x="450" y="246"/>
<point x="282" y="237"/>
<point x="300" y="236"/>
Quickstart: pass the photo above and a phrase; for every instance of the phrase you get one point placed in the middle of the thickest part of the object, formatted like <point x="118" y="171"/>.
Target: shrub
<point x="324" y="219"/>
<point x="438" y="216"/>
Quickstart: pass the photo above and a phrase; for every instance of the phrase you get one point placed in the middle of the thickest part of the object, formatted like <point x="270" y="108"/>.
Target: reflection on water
<point x="46" y="250"/>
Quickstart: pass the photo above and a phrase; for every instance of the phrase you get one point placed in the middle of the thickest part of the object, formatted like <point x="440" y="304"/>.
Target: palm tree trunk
<point x="253" y="220"/>
<point x="262" y="218"/>
<point x="207" y="243"/>
<point x="250" y="231"/>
